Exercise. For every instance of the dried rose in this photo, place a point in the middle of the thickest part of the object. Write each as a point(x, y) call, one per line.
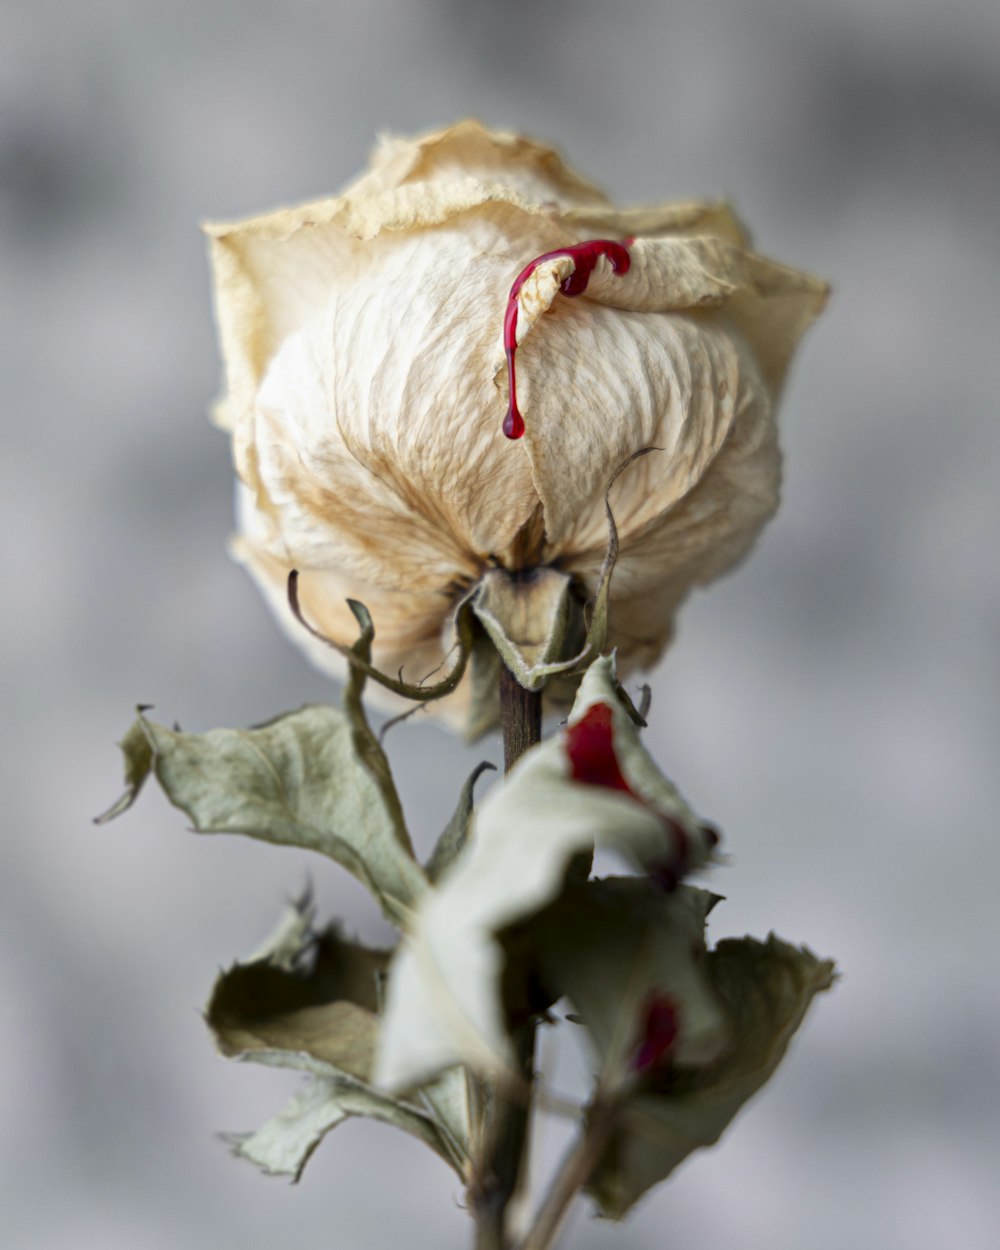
point(364, 338)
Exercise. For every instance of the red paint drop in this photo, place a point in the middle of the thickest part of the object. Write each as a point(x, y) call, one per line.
point(659, 1032)
point(585, 256)
point(591, 750)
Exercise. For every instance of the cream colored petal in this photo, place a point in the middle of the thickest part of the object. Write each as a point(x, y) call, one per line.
point(772, 310)
point(771, 304)
point(378, 427)
point(335, 511)
point(703, 535)
point(596, 385)
point(469, 149)
point(271, 275)
point(672, 275)
point(684, 218)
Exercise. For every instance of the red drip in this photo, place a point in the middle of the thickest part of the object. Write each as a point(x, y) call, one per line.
point(659, 1032)
point(585, 257)
point(591, 751)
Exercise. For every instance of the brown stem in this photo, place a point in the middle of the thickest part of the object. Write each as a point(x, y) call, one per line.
point(520, 718)
point(503, 1156)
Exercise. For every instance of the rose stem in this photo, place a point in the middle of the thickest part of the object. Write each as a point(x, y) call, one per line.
point(520, 718)
point(574, 1173)
point(507, 1132)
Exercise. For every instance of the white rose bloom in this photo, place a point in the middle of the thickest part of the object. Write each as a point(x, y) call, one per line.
point(366, 393)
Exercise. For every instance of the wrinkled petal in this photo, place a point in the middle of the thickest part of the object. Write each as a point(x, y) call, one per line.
point(673, 386)
point(469, 150)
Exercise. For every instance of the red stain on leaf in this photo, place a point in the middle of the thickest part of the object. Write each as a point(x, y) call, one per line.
point(660, 1027)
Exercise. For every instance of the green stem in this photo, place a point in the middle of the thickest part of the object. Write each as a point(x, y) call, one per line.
point(502, 1160)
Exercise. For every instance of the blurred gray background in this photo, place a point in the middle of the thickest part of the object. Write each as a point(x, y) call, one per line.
point(833, 705)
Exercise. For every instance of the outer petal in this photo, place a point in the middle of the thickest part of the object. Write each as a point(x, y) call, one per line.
point(274, 271)
point(602, 384)
point(691, 541)
point(375, 433)
point(692, 217)
point(696, 376)
point(467, 150)
point(597, 387)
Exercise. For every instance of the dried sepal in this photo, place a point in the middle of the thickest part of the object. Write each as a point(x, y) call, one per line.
point(534, 621)
point(456, 831)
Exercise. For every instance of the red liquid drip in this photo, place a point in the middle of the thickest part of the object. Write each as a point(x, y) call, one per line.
point(585, 256)
point(591, 751)
point(659, 1032)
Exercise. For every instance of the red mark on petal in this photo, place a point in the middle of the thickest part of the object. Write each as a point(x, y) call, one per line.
point(585, 256)
point(590, 746)
point(591, 750)
point(660, 1026)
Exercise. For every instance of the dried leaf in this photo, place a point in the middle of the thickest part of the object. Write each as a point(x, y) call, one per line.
point(610, 946)
point(325, 1009)
point(284, 1144)
point(765, 989)
point(298, 780)
point(314, 1009)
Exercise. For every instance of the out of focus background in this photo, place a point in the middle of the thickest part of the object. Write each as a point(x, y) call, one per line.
point(833, 705)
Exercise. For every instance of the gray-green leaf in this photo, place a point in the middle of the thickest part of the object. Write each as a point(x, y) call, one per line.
point(612, 945)
point(314, 1009)
point(283, 1145)
point(323, 1006)
point(298, 780)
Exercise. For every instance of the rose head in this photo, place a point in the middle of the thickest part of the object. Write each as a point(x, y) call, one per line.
point(369, 342)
